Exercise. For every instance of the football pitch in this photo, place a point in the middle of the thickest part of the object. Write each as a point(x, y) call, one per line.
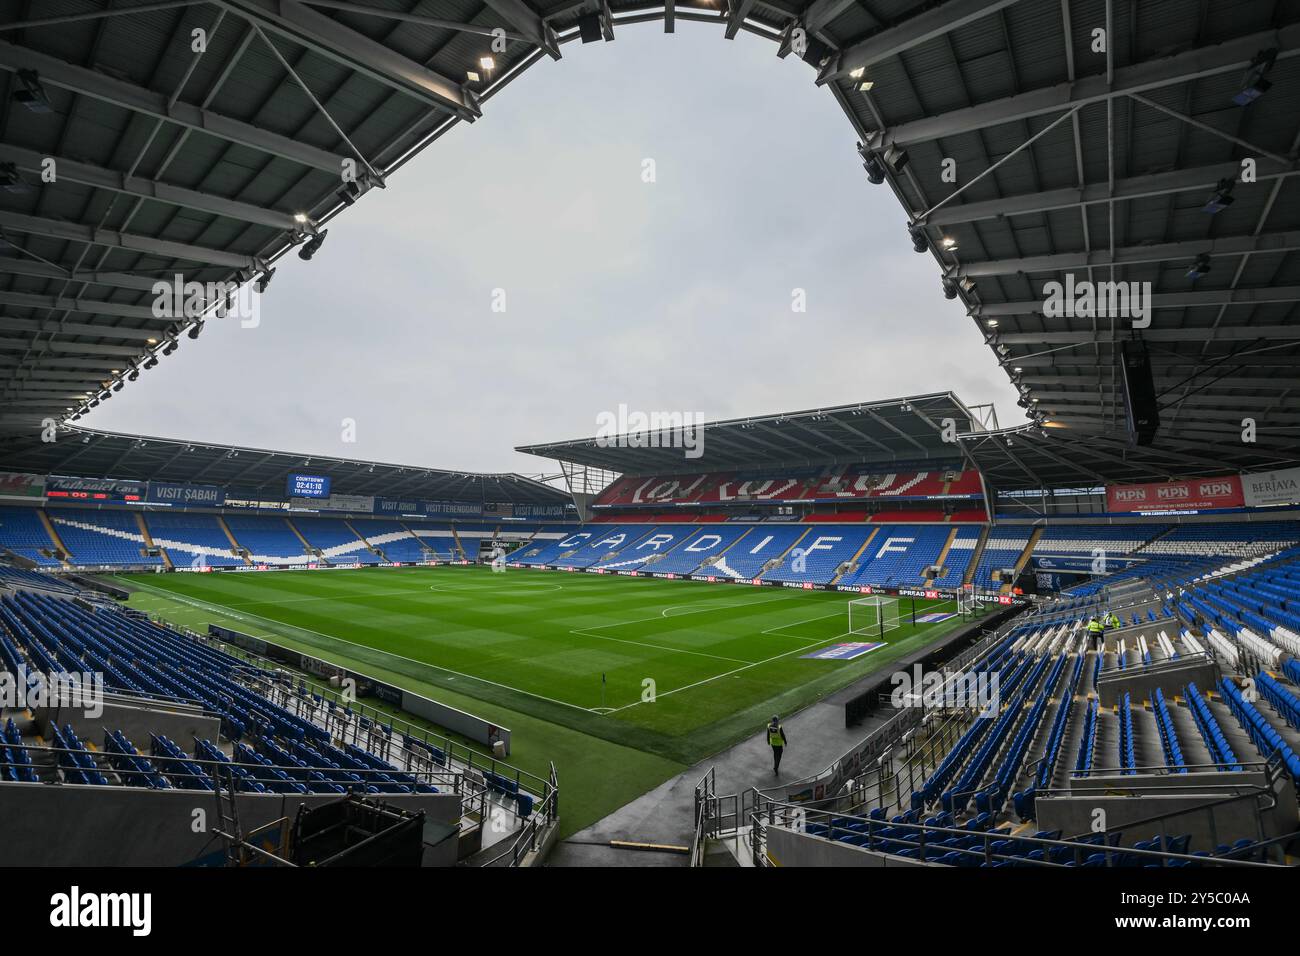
point(671, 668)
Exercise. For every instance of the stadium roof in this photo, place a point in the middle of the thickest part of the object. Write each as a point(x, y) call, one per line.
point(1068, 161)
point(81, 452)
point(906, 430)
point(903, 431)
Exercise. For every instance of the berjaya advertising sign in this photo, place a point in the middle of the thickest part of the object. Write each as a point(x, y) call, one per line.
point(1266, 488)
point(1194, 494)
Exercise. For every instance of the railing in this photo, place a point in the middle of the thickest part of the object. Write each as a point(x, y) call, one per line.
point(872, 749)
point(1155, 667)
point(178, 771)
point(273, 675)
point(704, 816)
point(1262, 797)
point(922, 841)
point(532, 838)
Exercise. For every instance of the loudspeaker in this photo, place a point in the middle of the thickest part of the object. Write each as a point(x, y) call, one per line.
point(589, 30)
point(1140, 409)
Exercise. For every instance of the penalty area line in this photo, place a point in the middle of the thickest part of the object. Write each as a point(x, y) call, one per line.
point(709, 680)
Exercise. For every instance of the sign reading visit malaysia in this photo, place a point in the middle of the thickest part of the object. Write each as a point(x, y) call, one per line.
point(1272, 488)
point(1194, 494)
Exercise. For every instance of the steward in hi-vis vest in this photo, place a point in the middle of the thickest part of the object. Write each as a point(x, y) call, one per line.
point(776, 740)
point(1097, 630)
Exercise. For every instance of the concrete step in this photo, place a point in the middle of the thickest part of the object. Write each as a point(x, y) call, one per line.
point(1189, 735)
point(1073, 735)
point(1237, 738)
point(1147, 750)
point(1106, 752)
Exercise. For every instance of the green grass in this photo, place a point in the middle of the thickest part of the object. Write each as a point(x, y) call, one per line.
point(689, 668)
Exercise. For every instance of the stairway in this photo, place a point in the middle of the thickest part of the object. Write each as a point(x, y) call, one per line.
point(148, 540)
point(235, 547)
point(976, 554)
point(1189, 735)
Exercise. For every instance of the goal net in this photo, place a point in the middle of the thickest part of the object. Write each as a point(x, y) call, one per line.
point(873, 615)
point(968, 602)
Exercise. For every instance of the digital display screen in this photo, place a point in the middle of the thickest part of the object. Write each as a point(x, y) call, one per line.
point(104, 491)
point(309, 486)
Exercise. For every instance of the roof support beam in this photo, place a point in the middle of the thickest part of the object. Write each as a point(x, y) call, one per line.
point(528, 22)
point(28, 300)
point(42, 270)
point(1165, 300)
point(1246, 333)
point(821, 12)
point(356, 51)
point(1150, 75)
point(71, 348)
point(1137, 187)
point(70, 170)
point(90, 330)
point(738, 10)
point(109, 89)
point(933, 22)
point(75, 232)
point(1133, 255)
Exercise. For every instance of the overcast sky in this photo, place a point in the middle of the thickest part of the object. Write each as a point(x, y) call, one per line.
point(673, 295)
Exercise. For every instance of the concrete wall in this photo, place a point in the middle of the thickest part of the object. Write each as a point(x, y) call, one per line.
point(181, 724)
point(1124, 803)
point(792, 848)
point(1170, 677)
point(66, 825)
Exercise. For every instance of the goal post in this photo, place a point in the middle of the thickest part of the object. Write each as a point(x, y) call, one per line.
point(969, 604)
point(873, 615)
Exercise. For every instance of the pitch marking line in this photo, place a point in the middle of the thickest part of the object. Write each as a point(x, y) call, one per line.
point(709, 680)
point(586, 632)
point(698, 610)
point(217, 609)
point(657, 647)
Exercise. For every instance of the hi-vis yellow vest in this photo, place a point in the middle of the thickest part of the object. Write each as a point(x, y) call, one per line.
point(1094, 627)
point(774, 736)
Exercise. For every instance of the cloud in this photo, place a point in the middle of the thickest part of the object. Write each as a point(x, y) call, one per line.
point(671, 295)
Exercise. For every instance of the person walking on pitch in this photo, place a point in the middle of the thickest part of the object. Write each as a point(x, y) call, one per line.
point(776, 740)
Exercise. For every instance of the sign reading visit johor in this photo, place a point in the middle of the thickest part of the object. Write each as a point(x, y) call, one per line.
point(1194, 494)
point(843, 652)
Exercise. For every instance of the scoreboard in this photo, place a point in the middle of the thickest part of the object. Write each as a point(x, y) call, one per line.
point(308, 486)
point(99, 491)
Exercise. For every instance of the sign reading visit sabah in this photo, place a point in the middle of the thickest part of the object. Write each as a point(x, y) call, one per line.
point(1194, 494)
point(308, 486)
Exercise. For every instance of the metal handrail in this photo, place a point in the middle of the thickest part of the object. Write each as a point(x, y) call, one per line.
point(257, 772)
point(532, 834)
point(929, 835)
point(469, 758)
